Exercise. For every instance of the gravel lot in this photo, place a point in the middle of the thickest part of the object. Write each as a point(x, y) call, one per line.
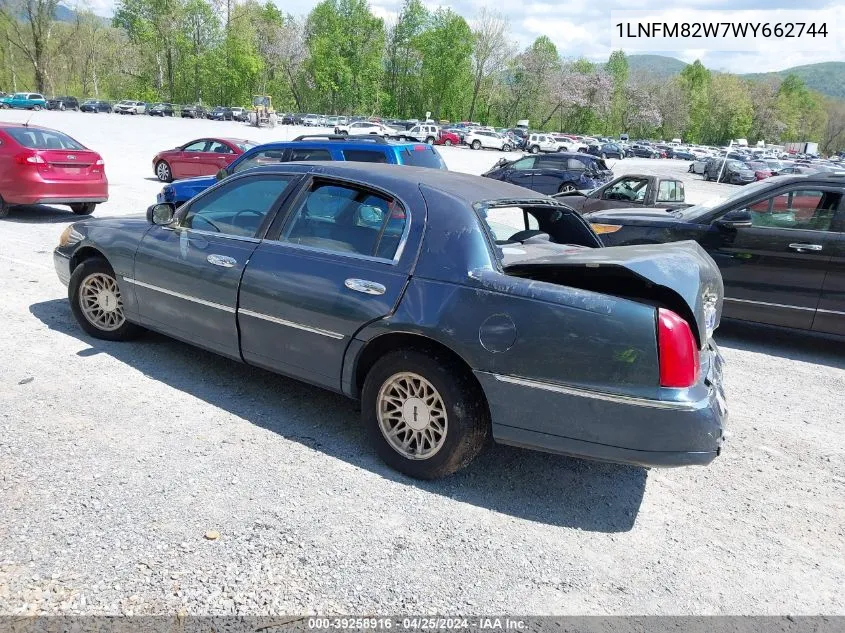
point(117, 459)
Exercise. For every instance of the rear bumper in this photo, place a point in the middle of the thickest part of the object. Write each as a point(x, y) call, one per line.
point(588, 424)
point(38, 191)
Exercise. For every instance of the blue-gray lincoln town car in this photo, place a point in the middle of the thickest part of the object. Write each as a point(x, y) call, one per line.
point(454, 307)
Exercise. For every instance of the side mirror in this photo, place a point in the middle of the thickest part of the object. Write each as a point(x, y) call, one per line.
point(220, 175)
point(161, 214)
point(732, 220)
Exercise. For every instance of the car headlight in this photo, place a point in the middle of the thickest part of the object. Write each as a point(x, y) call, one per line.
point(606, 228)
point(70, 236)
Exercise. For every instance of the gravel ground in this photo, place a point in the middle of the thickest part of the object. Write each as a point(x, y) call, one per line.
point(117, 460)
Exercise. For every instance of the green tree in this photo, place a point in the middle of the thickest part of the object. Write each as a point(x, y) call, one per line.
point(695, 84)
point(446, 47)
point(618, 69)
point(346, 45)
point(730, 112)
point(403, 61)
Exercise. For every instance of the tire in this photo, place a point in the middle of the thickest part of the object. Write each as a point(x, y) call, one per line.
point(476, 144)
point(603, 156)
point(4, 208)
point(90, 273)
point(429, 140)
point(85, 208)
point(62, 107)
point(163, 172)
point(567, 186)
point(447, 142)
point(465, 418)
point(506, 147)
point(689, 171)
point(535, 149)
point(36, 108)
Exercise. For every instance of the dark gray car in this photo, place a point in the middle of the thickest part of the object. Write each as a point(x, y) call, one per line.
point(454, 307)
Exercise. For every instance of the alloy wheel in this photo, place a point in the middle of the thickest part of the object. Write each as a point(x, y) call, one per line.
point(412, 416)
point(101, 303)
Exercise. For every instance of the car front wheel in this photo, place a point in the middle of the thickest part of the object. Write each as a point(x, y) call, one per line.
point(506, 147)
point(86, 208)
point(163, 172)
point(535, 149)
point(97, 304)
point(425, 414)
point(4, 208)
point(566, 187)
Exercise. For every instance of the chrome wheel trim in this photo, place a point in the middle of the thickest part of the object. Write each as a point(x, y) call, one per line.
point(567, 189)
point(101, 303)
point(163, 171)
point(412, 416)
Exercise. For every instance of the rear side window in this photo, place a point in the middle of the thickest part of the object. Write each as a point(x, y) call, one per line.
point(421, 156)
point(345, 219)
point(364, 156)
point(33, 138)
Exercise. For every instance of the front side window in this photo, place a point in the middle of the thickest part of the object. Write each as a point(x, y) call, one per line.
point(808, 210)
point(524, 164)
point(238, 208)
point(346, 219)
point(630, 189)
point(310, 154)
point(198, 146)
point(259, 159)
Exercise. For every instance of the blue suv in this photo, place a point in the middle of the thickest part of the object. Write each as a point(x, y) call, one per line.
point(310, 147)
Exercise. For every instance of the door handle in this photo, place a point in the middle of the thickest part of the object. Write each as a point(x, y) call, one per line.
point(801, 248)
point(367, 287)
point(221, 260)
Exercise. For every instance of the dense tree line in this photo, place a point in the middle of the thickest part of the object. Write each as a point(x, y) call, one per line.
point(341, 58)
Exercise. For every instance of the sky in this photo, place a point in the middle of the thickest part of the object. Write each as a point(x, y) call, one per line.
point(583, 28)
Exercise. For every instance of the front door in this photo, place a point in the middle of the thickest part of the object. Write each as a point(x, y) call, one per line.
point(187, 163)
point(774, 270)
point(335, 266)
point(187, 274)
point(522, 172)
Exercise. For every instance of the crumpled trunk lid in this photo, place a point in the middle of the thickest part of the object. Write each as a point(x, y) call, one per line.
point(678, 275)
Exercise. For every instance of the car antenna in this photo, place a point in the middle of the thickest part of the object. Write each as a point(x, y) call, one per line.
point(26, 123)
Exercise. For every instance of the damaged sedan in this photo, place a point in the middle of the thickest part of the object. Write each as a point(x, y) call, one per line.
point(455, 308)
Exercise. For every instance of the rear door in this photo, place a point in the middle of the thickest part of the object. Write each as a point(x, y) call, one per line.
point(338, 263)
point(186, 274)
point(774, 270)
point(830, 315)
point(551, 173)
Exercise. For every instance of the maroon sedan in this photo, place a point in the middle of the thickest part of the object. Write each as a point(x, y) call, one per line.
point(43, 166)
point(202, 157)
point(447, 138)
point(761, 169)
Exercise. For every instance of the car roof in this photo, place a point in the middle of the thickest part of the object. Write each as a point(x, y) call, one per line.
point(346, 142)
point(401, 179)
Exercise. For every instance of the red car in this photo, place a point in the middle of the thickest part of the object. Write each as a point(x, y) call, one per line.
point(761, 169)
point(202, 157)
point(447, 138)
point(43, 166)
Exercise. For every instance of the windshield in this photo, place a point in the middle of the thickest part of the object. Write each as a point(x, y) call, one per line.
point(34, 138)
point(735, 164)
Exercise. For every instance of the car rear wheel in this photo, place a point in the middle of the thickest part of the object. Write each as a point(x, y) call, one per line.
point(430, 140)
point(447, 142)
point(97, 304)
point(163, 172)
point(603, 155)
point(476, 144)
point(86, 208)
point(535, 149)
point(426, 415)
point(506, 147)
point(62, 107)
point(566, 187)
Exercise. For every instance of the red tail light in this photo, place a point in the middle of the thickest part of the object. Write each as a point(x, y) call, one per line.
point(29, 158)
point(677, 350)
